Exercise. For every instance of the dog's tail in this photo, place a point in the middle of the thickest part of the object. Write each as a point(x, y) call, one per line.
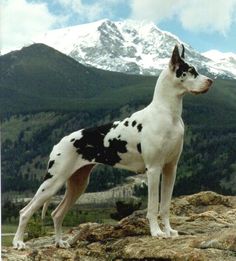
point(45, 207)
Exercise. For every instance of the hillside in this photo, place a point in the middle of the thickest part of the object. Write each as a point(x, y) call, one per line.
point(44, 95)
point(39, 78)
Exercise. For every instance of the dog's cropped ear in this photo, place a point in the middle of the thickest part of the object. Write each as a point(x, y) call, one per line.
point(175, 58)
point(183, 51)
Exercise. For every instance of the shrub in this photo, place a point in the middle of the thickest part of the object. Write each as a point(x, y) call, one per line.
point(35, 228)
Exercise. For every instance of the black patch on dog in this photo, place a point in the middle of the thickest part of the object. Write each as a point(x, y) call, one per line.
point(126, 123)
point(134, 123)
point(115, 125)
point(119, 136)
point(184, 67)
point(193, 71)
point(59, 154)
point(72, 140)
point(91, 146)
point(51, 163)
point(139, 148)
point(47, 176)
point(43, 190)
point(139, 127)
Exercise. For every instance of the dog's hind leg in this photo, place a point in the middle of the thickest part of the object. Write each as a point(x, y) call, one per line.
point(168, 179)
point(76, 185)
point(47, 189)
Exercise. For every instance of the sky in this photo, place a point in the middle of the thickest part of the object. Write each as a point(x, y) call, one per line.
point(204, 24)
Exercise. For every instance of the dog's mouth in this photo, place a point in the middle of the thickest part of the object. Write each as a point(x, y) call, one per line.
point(200, 92)
point(204, 91)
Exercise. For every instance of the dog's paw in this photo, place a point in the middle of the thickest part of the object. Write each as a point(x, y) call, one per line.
point(174, 233)
point(19, 245)
point(62, 244)
point(158, 233)
point(171, 232)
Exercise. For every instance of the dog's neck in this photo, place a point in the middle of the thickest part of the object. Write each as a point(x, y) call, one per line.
point(167, 96)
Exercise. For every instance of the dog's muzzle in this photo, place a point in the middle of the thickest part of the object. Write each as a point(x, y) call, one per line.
point(208, 85)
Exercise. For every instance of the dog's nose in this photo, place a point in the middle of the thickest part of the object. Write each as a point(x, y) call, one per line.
point(209, 81)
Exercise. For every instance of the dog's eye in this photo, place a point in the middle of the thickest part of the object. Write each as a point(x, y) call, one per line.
point(184, 74)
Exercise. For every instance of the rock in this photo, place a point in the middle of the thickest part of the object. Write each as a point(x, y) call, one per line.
point(207, 198)
point(206, 222)
point(201, 202)
point(223, 240)
point(126, 207)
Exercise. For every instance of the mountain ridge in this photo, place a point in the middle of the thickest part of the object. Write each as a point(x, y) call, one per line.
point(41, 78)
point(137, 47)
point(222, 60)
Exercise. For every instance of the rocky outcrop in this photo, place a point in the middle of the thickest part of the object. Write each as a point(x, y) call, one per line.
point(206, 223)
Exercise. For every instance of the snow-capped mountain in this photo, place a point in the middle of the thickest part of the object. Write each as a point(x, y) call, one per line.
point(126, 46)
point(224, 61)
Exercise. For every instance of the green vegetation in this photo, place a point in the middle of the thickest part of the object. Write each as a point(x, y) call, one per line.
point(37, 228)
point(8, 228)
point(125, 207)
point(39, 78)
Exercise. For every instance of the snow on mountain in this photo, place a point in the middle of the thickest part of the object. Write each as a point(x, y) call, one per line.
point(223, 61)
point(129, 46)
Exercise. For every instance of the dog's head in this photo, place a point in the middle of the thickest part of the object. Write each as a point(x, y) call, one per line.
point(185, 76)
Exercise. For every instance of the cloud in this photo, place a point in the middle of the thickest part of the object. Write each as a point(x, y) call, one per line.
point(209, 15)
point(21, 21)
point(91, 11)
point(195, 15)
point(153, 9)
point(84, 12)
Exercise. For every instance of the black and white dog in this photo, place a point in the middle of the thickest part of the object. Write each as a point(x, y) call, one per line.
point(150, 141)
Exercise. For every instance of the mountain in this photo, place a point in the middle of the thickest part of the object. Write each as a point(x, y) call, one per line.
point(41, 78)
point(225, 61)
point(129, 46)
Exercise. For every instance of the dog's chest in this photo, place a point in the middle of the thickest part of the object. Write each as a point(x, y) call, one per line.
point(173, 140)
point(163, 140)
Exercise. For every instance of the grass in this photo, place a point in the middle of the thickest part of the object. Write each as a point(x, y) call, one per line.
point(8, 228)
point(99, 215)
point(7, 241)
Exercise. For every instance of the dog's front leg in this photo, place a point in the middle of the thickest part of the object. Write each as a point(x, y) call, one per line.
point(168, 180)
point(153, 175)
